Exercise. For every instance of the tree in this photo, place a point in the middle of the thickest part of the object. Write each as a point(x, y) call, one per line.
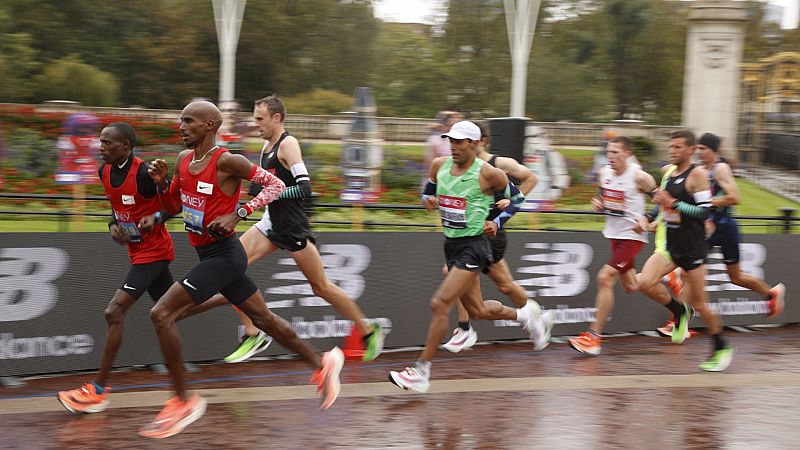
point(411, 78)
point(18, 63)
point(71, 79)
point(476, 45)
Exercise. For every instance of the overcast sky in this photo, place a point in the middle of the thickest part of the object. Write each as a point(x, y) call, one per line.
point(422, 11)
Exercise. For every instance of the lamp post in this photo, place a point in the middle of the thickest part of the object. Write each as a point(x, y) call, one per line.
point(228, 20)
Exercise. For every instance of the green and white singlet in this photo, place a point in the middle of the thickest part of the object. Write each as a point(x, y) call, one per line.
point(463, 207)
point(661, 229)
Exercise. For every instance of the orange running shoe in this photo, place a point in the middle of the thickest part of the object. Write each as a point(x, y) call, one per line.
point(85, 399)
point(327, 378)
point(674, 284)
point(776, 302)
point(587, 343)
point(174, 417)
point(666, 330)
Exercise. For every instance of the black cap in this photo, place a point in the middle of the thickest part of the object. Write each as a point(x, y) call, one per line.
point(710, 140)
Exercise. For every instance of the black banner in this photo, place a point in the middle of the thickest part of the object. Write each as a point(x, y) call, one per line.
point(54, 288)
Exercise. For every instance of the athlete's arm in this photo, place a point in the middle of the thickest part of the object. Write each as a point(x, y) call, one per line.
point(114, 229)
point(527, 179)
point(429, 199)
point(144, 184)
point(292, 158)
point(517, 200)
point(169, 193)
point(646, 183)
point(241, 168)
point(724, 176)
point(597, 200)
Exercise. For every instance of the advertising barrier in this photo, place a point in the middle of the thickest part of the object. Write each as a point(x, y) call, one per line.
point(54, 288)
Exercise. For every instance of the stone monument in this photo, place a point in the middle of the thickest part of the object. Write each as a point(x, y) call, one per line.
point(711, 79)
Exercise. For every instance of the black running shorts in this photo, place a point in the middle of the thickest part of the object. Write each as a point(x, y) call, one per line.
point(471, 253)
point(292, 241)
point(153, 277)
point(498, 242)
point(221, 269)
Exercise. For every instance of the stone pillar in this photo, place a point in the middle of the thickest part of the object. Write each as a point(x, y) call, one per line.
point(711, 80)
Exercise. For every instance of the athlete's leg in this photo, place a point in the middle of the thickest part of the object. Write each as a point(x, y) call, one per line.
point(481, 309)
point(604, 301)
point(257, 246)
point(163, 315)
point(698, 297)
point(628, 279)
point(114, 314)
point(455, 285)
point(500, 273)
point(310, 263)
point(649, 279)
point(746, 280)
point(255, 308)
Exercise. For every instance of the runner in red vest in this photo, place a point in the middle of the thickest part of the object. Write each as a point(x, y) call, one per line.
point(206, 184)
point(137, 220)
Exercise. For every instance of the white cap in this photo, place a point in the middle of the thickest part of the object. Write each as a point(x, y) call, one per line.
point(464, 130)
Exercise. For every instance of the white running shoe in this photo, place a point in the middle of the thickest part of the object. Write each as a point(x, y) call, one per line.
point(548, 321)
point(462, 339)
point(413, 378)
point(534, 326)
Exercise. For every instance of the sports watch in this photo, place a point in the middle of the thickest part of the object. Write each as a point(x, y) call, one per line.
point(242, 213)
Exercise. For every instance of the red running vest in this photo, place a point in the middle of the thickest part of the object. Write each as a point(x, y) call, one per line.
point(129, 207)
point(202, 199)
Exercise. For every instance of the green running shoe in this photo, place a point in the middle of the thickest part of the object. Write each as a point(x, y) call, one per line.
point(250, 346)
point(681, 330)
point(720, 360)
point(373, 346)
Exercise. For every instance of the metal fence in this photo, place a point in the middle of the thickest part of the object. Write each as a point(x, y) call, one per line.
point(783, 222)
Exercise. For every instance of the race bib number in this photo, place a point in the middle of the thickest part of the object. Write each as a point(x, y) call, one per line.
point(193, 220)
point(132, 231)
point(614, 201)
point(194, 209)
point(453, 211)
point(128, 225)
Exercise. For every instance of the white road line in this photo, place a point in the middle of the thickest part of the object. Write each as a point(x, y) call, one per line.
point(383, 389)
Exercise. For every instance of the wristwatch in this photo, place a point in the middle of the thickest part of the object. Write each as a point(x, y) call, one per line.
point(242, 213)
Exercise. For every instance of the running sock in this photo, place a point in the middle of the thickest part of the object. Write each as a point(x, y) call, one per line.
point(676, 307)
point(464, 325)
point(97, 388)
point(719, 341)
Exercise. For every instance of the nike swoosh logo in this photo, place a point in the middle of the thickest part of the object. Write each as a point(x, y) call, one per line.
point(470, 266)
point(679, 181)
point(299, 243)
point(186, 283)
point(125, 286)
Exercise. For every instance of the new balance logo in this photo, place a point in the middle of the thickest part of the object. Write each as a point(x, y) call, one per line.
point(28, 275)
point(558, 269)
point(344, 265)
point(187, 284)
